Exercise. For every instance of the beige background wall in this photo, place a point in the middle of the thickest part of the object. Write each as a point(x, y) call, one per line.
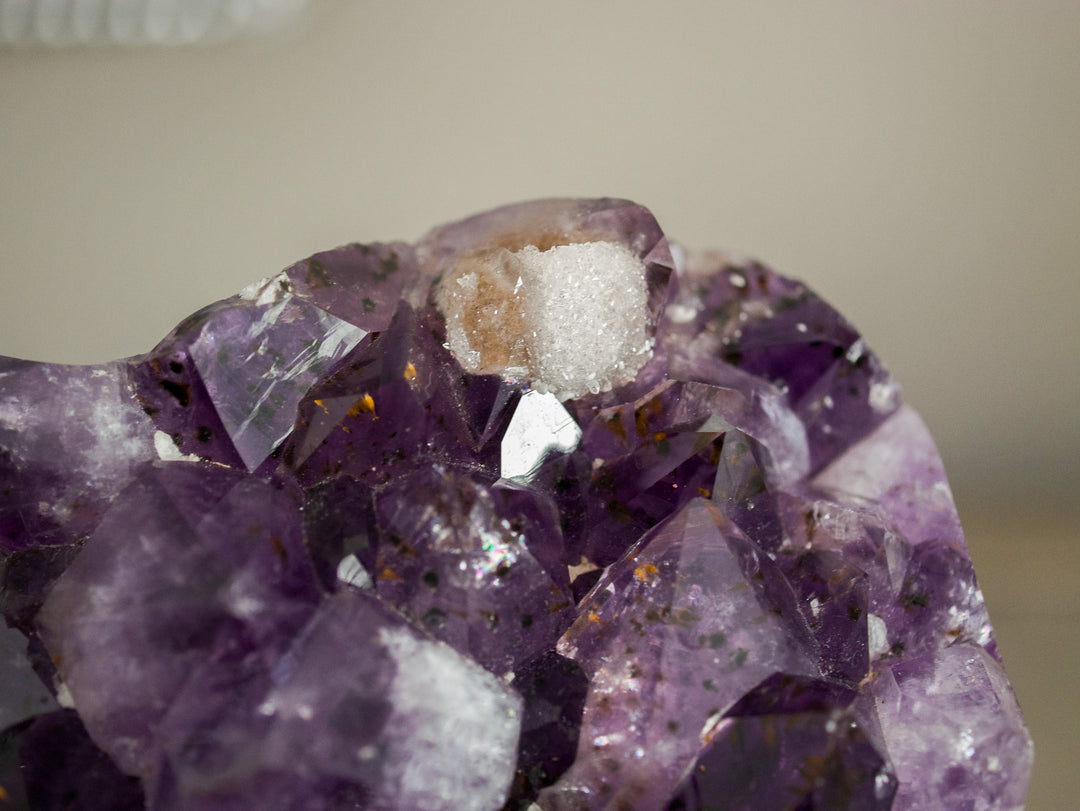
point(917, 162)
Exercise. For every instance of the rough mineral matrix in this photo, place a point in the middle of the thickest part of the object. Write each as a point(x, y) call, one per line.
point(542, 512)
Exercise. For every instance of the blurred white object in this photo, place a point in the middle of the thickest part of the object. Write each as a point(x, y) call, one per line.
point(139, 22)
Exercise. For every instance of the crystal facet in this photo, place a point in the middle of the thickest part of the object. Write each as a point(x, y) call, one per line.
point(541, 512)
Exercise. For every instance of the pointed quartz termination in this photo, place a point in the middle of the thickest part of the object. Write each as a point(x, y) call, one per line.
point(257, 362)
point(227, 652)
point(479, 568)
point(70, 438)
point(953, 730)
point(672, 635)
point(932, 599)
point(362, 711)
point(644, 460)
point(217, 578)
point(541, 512)
point(790, 743)
point(399, 405)
point(776, 341)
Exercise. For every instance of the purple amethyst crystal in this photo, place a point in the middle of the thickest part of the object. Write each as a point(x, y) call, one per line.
point(542, 512)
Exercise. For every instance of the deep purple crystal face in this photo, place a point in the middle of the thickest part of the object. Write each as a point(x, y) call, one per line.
point(298, 557)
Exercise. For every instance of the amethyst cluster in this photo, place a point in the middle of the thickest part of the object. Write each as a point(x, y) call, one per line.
point(390, 531)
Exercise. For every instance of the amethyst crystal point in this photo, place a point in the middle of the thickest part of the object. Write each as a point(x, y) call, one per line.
point(674, 633)
point(542, 512)
point(361, 711)
point(69, 439)
point(954, 730)
point(791, 743)
point(273, 351)
point(456, 558)
point(193, 568)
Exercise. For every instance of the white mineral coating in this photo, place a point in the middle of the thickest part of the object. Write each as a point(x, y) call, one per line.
point(168, 452)
point(364, 698)
point(571, 320)
point(455, 726)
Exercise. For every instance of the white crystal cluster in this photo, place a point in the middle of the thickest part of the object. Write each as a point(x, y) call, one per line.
point(570, 320)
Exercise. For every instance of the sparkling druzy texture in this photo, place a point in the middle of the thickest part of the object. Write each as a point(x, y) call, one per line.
point(413, 527)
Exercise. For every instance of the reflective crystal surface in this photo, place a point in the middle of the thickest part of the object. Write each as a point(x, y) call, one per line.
point(299, 556)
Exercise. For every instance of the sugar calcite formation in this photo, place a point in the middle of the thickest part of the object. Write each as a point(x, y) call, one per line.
point(541, 512)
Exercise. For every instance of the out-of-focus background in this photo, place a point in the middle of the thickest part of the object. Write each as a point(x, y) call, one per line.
point(918, 163)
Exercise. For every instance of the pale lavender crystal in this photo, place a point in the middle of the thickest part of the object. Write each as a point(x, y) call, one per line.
point(195, 568)
point(953, 729)
point(296, 557)
point(258, 358)
point(69, 438)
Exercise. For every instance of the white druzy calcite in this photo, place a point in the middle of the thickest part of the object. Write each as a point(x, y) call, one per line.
point(571, 319)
